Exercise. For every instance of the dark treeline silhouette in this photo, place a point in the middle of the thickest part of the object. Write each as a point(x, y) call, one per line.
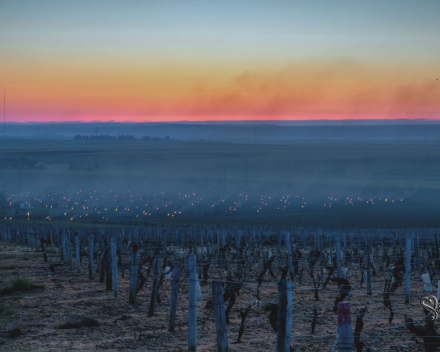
point(127, 137)
point(148, 138)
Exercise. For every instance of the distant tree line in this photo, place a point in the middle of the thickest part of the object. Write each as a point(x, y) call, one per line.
point(127, 137)
point(148, 138)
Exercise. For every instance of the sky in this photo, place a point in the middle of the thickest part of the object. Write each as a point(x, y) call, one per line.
point(173, 60)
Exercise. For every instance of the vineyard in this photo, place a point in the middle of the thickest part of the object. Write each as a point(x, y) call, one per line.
point(210, 288)
point(225, 176)
point(211, 246)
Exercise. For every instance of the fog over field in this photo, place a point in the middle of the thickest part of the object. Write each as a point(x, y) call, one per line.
point(328, 169)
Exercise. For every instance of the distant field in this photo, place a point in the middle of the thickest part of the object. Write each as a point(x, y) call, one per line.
point(389, 165)
point(216, 171)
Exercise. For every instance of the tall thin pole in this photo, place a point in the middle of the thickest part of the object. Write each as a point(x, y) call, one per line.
point(154, 286)
point(407, 267)
point(368, 257)
point(338, 255)
point(174, 294)
point(220, 319)
point(345, 337)
point(114, 266)
point(284, 317)
point(192, 304)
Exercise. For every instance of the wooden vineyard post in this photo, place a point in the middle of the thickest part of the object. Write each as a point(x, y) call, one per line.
point(114, 267)
point(57, 241)
point(416, 242)
point(284, 318)
point(220, 318)
point(330, 245)
point(249, 246)
point(78, 264)
point(359, 243)
point(344, 236)
point(218, 246)
point(279, 253)
point(192, 308)
point(438, 245)
point(345, 337)
point(321, 264)
point(63, 245)
point(108, 267)
point(182, 238)
point(154, 286)
point(133, 274)
point(34, 237)
point(165, 239)
point(174, 294)
point(438, 290)
point(69, 252)
point(199, 290)
point(102, 262)
point(91, 263)
point(289, 254)
point(338, 255)
point(407, 267)
point(224, 237)
point(368, 260)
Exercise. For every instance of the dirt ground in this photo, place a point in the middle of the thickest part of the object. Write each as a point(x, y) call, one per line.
point(68, 296)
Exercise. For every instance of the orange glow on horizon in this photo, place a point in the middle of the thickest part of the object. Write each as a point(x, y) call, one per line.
point(301, 91)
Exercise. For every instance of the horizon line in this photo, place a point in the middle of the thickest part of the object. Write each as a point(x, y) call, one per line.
point(228, 121)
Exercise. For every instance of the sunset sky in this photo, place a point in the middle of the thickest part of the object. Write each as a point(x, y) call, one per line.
point(219, 60)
